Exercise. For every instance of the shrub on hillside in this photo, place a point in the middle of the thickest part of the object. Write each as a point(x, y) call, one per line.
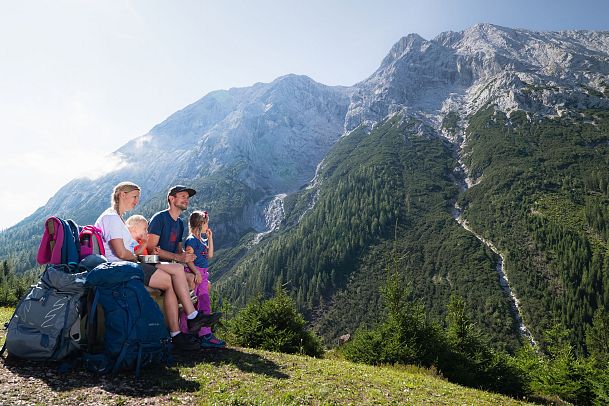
point(12, 286)
point(556, 371)
point(597, 338)
point(459, 352)
point(275, 325)
point(405, 337)
point(472, 361)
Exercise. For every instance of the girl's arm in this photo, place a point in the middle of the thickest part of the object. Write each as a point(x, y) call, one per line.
point(192, 267)
point(210, 243)
point(191, 264)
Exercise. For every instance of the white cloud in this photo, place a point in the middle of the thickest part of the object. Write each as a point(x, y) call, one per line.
point(142, 141)
point(50, 139)
point(101, 165)
point(34, 176)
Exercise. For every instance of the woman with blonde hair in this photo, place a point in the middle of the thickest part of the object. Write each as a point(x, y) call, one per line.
point(119, 246)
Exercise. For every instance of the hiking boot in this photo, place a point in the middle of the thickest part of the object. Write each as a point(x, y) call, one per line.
point(185, 342)
point(203, 320)
point(211, 341)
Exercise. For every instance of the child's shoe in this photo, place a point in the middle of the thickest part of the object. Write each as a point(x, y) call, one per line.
point(211, 341)
point(202, 320)
point(185, 342)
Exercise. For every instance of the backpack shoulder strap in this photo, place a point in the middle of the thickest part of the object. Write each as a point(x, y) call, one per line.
point(11, 319)
point(69, 248)
point(66, 240)
point(97, 234)
point(73, 249)
point(92, 302)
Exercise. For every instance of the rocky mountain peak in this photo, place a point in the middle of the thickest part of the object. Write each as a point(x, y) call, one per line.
point(275, 133)
point(407, 44)
point(540, 72)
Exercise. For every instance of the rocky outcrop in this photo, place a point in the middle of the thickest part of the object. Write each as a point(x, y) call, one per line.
point(539, 72)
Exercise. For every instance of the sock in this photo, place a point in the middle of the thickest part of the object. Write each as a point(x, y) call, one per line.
point(192, 315)
point(174, 333)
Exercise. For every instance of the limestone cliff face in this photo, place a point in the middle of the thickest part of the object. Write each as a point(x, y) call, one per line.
point(277, 131)
point(274, 133)
point(540, 72)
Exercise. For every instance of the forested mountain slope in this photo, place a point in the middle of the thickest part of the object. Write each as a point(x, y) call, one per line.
point(542, 197)
point(390, 185)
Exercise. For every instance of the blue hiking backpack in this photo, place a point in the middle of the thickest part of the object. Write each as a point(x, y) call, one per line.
point(135, 332)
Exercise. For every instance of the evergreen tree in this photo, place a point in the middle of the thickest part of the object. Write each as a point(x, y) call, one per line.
point(597, 338)
point(275, 325)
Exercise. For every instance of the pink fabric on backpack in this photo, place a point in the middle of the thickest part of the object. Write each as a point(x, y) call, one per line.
point(91, 241)
point(203, 302)
point(49, 251)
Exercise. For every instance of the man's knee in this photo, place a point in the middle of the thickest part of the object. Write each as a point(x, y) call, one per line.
point(160, 280)
point(172, 269)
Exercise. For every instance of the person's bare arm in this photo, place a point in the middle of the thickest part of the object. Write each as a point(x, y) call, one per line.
point(210, 243)
point(151, 244)
point(192, 267)
point(191, 264)
point(180, 256)
point(118, 249)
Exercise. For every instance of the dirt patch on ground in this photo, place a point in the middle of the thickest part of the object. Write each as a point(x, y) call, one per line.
point(29, 383)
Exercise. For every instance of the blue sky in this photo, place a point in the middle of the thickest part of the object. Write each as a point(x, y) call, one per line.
point(79, 78)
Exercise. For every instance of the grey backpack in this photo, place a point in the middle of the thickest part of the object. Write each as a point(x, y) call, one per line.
point(46, 323)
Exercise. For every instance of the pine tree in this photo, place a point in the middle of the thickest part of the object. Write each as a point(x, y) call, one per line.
point(597, 338)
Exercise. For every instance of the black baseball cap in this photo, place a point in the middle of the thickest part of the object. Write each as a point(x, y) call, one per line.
point(180, 188)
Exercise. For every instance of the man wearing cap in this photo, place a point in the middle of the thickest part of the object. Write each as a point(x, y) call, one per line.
point(166, 228)
point(165, 233)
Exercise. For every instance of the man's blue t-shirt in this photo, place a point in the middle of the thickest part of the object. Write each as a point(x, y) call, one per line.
point(200, 248)
point(170, 231)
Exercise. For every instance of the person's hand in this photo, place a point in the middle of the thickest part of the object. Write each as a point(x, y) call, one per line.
point(209, 233)
point(198, 278)
point(186, 257)
point(156, 250)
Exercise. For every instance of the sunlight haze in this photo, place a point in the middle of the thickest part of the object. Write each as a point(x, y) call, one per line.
point(78, 79)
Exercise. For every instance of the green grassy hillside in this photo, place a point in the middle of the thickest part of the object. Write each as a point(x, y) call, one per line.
point(239, 377)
